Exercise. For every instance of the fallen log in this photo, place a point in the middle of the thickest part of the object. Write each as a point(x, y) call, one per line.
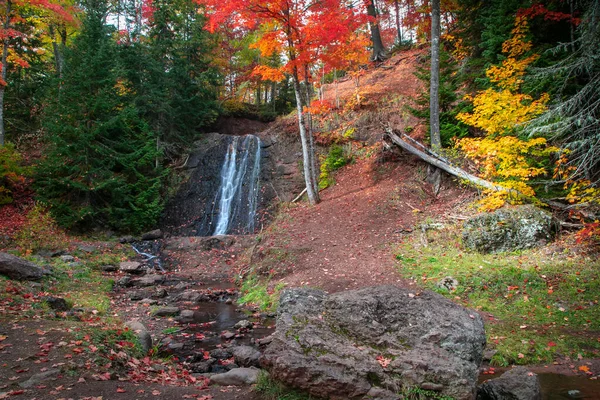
point(436, 160)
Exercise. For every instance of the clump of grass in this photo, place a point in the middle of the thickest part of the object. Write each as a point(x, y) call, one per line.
point(273, 390)
point(416, 393)
point(335, 159)
point(537, 306)
point(255, 291)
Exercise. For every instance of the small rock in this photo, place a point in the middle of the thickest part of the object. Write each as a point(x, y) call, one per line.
point(181, 286)
point(137, 295)
point(236, 377)
point(124, 281)
point(264, 341)
point(126, 239)
point(227, 335)
point(220, 354)
point(448, 283)
point(159, 294)
point(203, 366)
point(75, 264)
point(244, 324)
point(176, 346)
point(229, 301)
point(186, 316)
point(39, 378)
point(515, 384)
point(109, 268)
point(149, 280)
point(246, 356)
point(165, 311)
point(152, 235)
point(67, 258)
point(57, 303)
point(142, 334)
point(574, 394)
point(86, 248)
point(488, 354)
point(190, 295)
point(130, 266)
point(150, 302)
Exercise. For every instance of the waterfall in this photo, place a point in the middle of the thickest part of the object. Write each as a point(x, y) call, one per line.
point(237, 197)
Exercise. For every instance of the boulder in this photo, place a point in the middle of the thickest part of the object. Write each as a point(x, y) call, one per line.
point(509, 229)
point(515, 384)
point(236, 377)
point(142, 334)
point(19, 269)
point(343, 345)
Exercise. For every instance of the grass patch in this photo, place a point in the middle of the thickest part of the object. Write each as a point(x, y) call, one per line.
point(416, 393)
point(539, 306)
point(255, 291)
point(273, 390)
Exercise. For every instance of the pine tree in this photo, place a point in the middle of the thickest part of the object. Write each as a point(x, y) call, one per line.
point(169, 76)
point(99, 168)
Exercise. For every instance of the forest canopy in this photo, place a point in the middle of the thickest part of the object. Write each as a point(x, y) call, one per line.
point(114, 91)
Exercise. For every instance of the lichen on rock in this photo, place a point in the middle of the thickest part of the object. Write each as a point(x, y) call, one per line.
point(509, 229)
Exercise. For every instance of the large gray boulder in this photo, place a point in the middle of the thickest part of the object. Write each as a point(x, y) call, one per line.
point(508, 229)
point(516, 384)
point(349, 344)
point(19, 269)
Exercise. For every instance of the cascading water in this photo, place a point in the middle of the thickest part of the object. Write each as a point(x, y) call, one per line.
point(237, 198)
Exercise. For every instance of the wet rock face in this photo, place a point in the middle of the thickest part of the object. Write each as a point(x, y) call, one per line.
point(348, 344)
point(195, 209)
point(190, 211)
point(509, 229)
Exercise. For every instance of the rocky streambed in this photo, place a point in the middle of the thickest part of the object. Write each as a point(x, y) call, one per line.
point(183, 303)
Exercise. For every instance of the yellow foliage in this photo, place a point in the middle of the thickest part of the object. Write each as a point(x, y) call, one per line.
point(503, 157)
point(498, 111)
point(579, 190)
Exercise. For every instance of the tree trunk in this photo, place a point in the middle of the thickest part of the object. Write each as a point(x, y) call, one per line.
point(309, 133)
point(313, 196)
point(434, 174)
point(378, 48)
point(3, 73)
point(398, 26)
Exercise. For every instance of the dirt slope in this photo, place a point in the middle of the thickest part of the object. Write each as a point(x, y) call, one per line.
point(345, 241)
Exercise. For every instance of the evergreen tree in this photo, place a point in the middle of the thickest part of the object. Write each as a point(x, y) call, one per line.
point(169, 76)
point(99, 168)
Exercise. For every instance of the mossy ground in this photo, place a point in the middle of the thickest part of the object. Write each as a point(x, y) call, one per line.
point(539, 305)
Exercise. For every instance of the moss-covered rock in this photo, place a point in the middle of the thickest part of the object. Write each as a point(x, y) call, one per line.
point(508, 229)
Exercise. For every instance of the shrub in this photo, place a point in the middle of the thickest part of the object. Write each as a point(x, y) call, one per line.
point(40, 231)
point(336, 158)
point(12, 173)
